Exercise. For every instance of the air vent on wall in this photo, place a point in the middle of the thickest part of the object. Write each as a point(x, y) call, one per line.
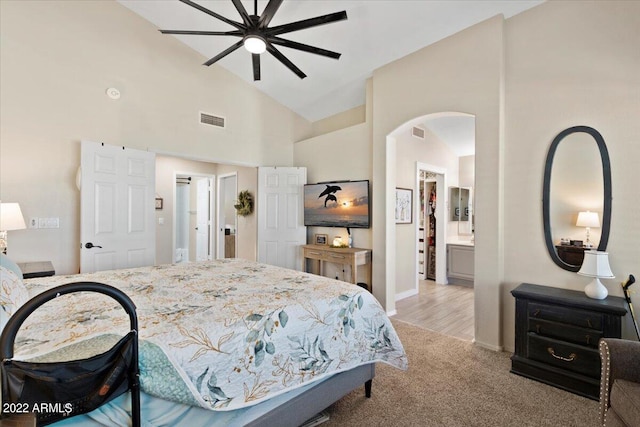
point(210, 119)
point(417, 132)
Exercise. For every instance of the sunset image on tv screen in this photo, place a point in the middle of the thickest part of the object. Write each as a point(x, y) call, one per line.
point(337, 204)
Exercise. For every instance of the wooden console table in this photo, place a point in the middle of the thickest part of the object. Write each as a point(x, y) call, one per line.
point(353, 257)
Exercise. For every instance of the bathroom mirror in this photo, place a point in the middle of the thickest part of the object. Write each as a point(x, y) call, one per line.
point(465, 224)
point(461, 209)
point(454, 200)
point(577, 178)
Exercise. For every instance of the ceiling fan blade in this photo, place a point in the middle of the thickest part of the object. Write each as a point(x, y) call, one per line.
point(242, 11)
point(306, 23)
point(280, 57)
point(304, 47)
point(203, 33)
point(255, 57)
point(268, 12)
point(215, 15)
point(223, 53)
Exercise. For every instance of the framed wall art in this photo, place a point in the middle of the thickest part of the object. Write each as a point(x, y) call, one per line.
point(404, 206)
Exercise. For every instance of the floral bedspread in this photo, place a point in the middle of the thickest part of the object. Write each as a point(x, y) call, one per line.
point(227, 333)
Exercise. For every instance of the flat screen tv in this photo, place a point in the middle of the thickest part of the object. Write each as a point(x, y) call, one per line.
point(337, 204)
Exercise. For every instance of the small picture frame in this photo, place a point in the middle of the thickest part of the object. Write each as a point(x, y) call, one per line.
point(404, 206)
point(321, 239)
point(158, 203)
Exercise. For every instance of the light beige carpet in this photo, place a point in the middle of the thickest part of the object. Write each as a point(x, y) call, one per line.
point(451, 382)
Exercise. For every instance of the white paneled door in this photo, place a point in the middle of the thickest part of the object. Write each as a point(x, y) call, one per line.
point(280, 210)
point(117, 207)
point(204, 199)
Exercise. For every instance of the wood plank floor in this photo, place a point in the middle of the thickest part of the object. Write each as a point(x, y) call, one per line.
point(447, 309)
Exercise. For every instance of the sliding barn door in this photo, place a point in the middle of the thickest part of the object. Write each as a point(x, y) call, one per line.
point(280, 210)
point(117, 207)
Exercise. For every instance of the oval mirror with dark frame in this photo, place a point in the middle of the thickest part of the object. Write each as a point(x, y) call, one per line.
point(546, 194)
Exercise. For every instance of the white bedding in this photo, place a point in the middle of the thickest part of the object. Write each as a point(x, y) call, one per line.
point(222, 334)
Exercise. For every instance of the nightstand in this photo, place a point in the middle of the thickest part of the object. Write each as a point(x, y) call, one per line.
point(573, 255)
point(557, 334)
point(31, 270)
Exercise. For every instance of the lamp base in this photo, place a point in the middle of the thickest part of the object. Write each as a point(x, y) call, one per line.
point(596, 290)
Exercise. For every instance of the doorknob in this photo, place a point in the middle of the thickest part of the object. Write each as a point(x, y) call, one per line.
point(90, 245)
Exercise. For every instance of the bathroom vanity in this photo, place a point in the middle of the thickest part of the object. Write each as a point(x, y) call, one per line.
point(460, 263)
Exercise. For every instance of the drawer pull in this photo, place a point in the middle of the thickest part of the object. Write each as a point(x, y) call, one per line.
point(538, 329)
point(589, 323)
point(336, 256)
point(314, 253)
point(571, 357)
point(535, 313)
point(588, 337)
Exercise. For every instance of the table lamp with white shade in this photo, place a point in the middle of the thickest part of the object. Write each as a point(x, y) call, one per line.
point(596, 265)
point(588, 219)
point(10, 219)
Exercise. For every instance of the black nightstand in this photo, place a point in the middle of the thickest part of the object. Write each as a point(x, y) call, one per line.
point(31, 270)
point(573, 255)
point(557, 334)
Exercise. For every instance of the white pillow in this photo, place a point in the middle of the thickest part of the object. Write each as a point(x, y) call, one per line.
point(13, 294)
point(6, 262)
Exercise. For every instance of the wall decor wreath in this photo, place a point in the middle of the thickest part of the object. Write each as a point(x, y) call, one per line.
point(245, 203)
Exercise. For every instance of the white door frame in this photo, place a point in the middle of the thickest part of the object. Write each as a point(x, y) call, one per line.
point(220, 204)
point(211, 212)
point(441, 221)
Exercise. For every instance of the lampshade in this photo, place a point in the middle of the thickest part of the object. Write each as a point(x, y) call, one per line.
point(588, 219)
point(11, 217)
point(337, 241)
point(596, 264)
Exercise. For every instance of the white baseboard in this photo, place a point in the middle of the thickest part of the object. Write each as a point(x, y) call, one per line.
point(391, 313)
point(488, 346)
point(406, 294)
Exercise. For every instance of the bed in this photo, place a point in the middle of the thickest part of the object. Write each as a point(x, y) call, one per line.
point(225, 342)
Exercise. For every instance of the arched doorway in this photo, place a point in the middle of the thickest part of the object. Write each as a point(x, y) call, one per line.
point(439, 146)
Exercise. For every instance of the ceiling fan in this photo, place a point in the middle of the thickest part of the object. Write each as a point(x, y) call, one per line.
point(257, 37)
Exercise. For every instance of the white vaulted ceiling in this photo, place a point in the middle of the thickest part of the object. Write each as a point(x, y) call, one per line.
point(376, 32)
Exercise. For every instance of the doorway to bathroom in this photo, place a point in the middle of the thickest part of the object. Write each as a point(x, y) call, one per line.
point(194, 213)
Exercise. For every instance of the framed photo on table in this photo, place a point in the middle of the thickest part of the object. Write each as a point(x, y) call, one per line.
point(404, 206)
point(321, 239)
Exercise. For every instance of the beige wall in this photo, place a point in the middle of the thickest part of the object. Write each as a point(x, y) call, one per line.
point(57, 58)
point(467, 168)
point(461, 73)
point(339, 121)
point(569, 63)
point(341, 155)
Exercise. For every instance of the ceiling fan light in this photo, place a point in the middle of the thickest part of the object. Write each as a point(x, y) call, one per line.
point(255, 44)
